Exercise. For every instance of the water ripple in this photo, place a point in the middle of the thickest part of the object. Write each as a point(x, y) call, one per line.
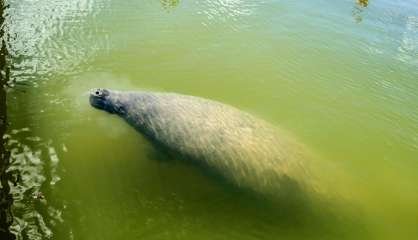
point(35, 164)
point(226, 11)
point(51, 36)
point(408, 49)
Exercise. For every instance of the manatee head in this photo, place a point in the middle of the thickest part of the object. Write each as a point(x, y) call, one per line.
point(107, 100)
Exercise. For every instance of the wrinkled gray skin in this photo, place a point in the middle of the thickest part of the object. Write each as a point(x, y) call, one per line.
point(248, 151)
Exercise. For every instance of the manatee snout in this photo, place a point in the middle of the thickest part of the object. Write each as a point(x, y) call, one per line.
point(100, 99)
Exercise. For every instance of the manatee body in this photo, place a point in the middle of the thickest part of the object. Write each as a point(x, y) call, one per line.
point(244, 149)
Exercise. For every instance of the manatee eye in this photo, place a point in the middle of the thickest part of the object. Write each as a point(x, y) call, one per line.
point(97, 92)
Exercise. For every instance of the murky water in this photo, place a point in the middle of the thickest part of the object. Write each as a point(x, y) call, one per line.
point(339, 75)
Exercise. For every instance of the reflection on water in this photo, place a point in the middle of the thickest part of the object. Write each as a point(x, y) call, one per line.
point(363, 3)
point(168, 4)
point(48, 36)
point(6, 200)
point(36, 163)
point(358, 9)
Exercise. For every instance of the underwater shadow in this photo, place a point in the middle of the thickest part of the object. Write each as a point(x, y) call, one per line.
point(292, 211)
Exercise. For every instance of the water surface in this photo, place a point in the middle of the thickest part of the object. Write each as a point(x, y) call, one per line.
point(341, 76)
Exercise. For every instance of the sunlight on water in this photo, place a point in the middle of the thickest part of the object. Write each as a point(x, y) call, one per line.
point(408, 51)
point(35, 163)
point(47, 36)
point(341, 77)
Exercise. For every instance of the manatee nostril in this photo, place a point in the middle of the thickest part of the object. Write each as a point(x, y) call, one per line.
point(97, 92)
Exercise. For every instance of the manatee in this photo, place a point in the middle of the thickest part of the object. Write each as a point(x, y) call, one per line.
point(248, 151)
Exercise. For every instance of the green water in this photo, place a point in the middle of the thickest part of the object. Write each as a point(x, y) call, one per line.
point(339, 75)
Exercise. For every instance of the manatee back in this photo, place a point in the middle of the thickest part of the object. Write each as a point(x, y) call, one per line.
point(247, 150)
